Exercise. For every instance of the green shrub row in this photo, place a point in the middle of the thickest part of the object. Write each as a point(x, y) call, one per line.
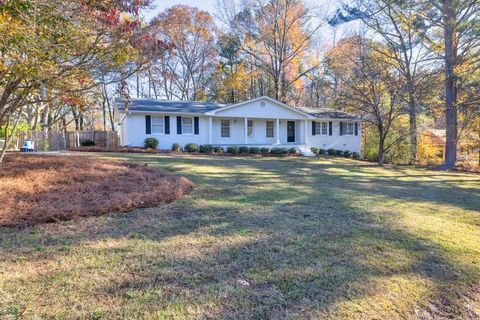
point(207, 148)
point(152, 143)
point(333, 152)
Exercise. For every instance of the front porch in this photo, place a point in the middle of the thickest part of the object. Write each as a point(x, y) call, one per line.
point(257, 132)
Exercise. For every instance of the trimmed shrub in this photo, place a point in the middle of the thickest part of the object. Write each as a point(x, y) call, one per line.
point(191, 147)
point(347, 153)
point(87, 143)
point(150, 143)
point(314, 150)
point(264, 150)
point(255, 150)
point(176, 147)
point(339, 153)
point(322, 151)
point(206, 148)
point(331, 151)
point(243, 150)
point(293, 151)
point(279, 151)
point(233, 150)
point(218, 150)
point(355, 155)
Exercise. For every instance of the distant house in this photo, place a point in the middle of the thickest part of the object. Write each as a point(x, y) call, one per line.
point(431, 146)
point(262, 122)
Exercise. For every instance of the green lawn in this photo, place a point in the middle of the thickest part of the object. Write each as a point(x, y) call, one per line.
point(261, 239)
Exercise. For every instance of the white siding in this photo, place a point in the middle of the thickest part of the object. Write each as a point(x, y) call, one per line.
point(138, 132)
point(133, 133)
point(262, 108)
point(335, 141)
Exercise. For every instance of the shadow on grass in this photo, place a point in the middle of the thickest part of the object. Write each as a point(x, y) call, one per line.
point(268, 238)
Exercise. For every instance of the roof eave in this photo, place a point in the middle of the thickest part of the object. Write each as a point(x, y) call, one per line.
point(213, 112)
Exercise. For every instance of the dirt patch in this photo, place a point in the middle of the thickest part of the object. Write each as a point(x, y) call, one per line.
point(36, 189)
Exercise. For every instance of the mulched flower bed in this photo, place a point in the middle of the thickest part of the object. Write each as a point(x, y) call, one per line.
point(45, 188)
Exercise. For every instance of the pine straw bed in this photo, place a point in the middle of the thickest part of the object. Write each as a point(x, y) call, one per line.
point(36, 189)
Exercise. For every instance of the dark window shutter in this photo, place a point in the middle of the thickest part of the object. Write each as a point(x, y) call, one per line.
point(196, 128)
point(341, 128)
point(179, 125)
point(313, 128)
point(330, 128)
point(167, 125)
point(148, 124)
point(356, 128)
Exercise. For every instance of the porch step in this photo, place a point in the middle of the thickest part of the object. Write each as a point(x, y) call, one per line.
point(305, 151)
point(307, 154)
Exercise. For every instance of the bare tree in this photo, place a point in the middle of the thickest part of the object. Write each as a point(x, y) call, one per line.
point(185, 71)
point(276, 34)
point(400, 26)
point(375, 89)
point(459, 22)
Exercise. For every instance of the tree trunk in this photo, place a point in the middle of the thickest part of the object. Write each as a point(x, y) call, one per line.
point(104, 115)
point(450, 87)
point(138, 85)
point(75, 117)
point(8, 138)
point(381, 152)
point(412, 113)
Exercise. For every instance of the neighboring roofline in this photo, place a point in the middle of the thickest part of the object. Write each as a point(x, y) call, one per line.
point(213, 112)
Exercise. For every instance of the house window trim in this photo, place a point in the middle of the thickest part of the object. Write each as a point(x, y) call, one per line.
point(152, 126)
point(326, 128)
point(346, 126)
point(273, 129)
point(250, 130)
point(183, 128)
point(319, 128)
point(229, 129)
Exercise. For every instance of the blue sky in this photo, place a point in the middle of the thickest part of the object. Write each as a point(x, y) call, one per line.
point(209, 5)
point(160, 5)
point(323, 7)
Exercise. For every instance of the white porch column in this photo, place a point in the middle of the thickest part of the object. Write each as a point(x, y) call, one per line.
point(306, 131)
point(210, 134)
point(245, 127)
point(277, 127)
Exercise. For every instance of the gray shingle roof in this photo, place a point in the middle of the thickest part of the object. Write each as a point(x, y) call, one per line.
point(168, 106)
point(200, 107)
point(331, 114)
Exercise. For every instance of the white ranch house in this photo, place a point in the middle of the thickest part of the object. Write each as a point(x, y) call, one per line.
point(261, 122)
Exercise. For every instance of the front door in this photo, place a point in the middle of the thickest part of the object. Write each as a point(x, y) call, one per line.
point(290, 131)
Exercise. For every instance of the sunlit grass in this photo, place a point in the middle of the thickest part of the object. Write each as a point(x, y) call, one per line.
point(261, 238)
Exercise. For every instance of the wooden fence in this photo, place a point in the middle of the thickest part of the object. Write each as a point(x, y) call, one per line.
point(60, 140)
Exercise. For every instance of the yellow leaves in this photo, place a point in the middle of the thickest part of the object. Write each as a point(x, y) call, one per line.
point(236, 80)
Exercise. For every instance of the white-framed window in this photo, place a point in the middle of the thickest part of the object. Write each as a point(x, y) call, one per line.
point(270, 129)
point(250, 128)
point(348, 128)
point(187, 125)
point(324, 128)
point(225, 128)
point(158, 125)
point(321, 128)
